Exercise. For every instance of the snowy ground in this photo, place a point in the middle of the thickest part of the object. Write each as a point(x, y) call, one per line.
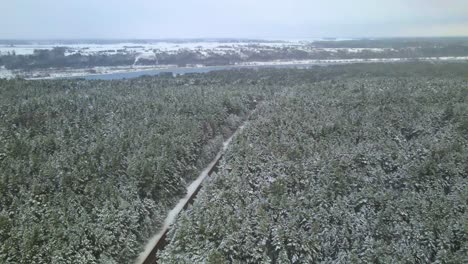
point(6, 74)
point(218, 47)
point(92, 49)
point(72, 72)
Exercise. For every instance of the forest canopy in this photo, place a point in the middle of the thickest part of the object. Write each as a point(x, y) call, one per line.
point(356, 163)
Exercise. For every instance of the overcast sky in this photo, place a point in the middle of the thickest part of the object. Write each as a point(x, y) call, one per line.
point(231, 18)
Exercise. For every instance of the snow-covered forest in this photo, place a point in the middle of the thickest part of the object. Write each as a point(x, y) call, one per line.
point(88, 170)
point(340, 164)
point(360, 170)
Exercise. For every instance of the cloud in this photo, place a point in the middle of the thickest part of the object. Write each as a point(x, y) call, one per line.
point(230, 18)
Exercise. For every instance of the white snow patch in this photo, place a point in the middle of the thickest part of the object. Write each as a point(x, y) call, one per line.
point(146, 56)
point(128, 47)
point(5, 73)
point(53, 73)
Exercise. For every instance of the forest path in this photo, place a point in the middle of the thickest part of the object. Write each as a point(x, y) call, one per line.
point(158, 241)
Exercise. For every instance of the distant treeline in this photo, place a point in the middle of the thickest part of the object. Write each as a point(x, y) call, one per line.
point(56, 58)
point(388, 48)
point(396, 43)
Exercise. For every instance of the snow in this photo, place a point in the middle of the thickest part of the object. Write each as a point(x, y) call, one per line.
point(53, 73)
point(204, 49)
point(129, 47)
point(90, 49)
point(355, 50)
point(146, 56)
point(5, 73)
point(171, 217)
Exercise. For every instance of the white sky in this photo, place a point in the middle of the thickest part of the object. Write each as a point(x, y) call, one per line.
point(231, 18)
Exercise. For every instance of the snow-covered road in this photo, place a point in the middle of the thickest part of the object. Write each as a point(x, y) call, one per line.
point(192, 190)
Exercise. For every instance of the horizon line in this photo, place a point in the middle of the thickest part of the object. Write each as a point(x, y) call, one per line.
point(236, 38)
